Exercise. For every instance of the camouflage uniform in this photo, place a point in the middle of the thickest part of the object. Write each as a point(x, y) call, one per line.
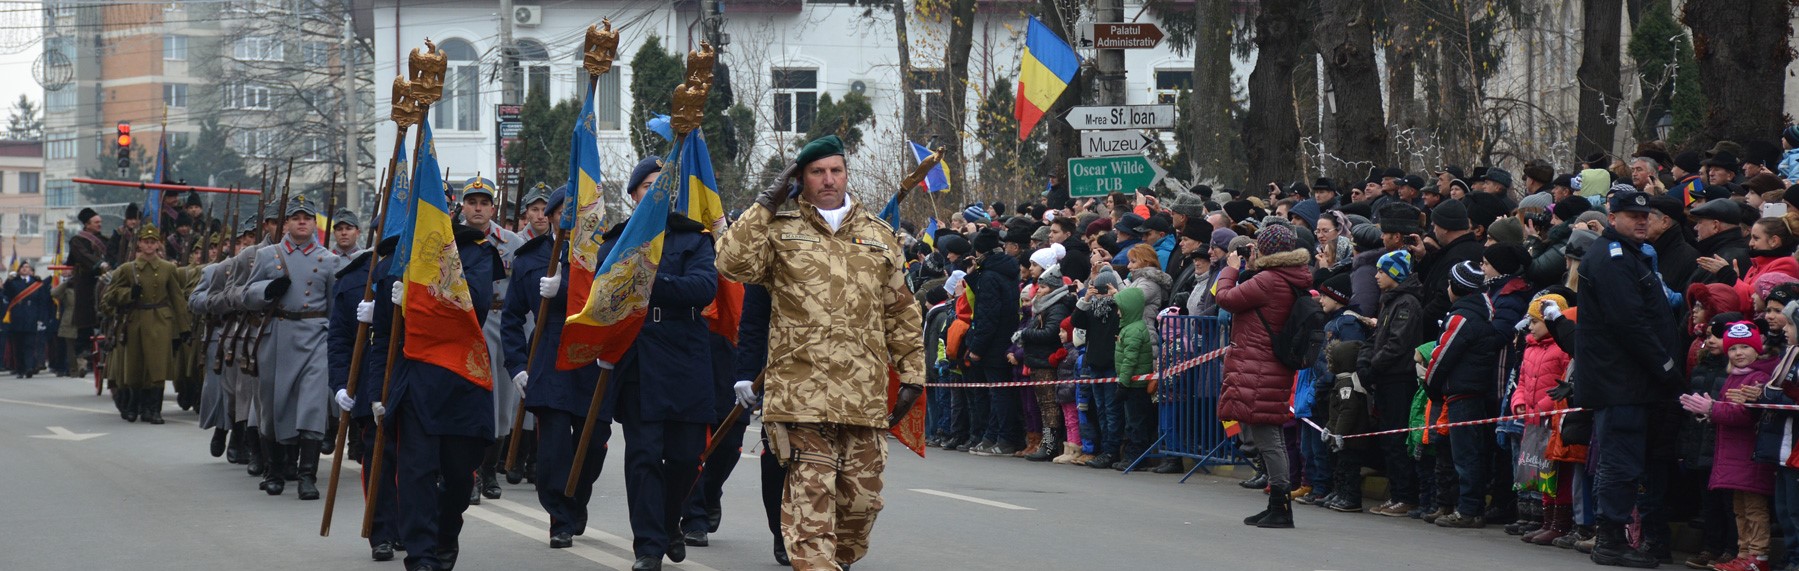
point(841, 316)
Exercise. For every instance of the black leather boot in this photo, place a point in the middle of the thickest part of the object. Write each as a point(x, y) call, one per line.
point(126, 400)
point(309, 468)
point(219, 438)
point(1613, 548)
point(275, 455)
point(151, 400)
point(254, 452)
point(1280, 509)
point(1258, 481)
point(234, 444)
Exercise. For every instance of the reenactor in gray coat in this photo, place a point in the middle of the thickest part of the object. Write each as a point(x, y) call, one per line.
point(478, 212)
point(291, 280)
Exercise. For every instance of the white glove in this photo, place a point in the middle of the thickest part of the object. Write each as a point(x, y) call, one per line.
point(520, 379)
point(548, 286)
point(746, 394)
point(1523, 324)
point(380, 411)
point(365, 311)
point(1552, 310)
point(344, 401)
point(399, 293)
point(607, 365)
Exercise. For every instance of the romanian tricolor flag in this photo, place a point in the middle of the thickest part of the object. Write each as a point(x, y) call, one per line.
point(698, 199)
point(1044, 72)
point(441, 328)
point(581, 218)
point(153, 208)
point(938, 179)
point(890, 212)
point(929, 236)
point(620, 296)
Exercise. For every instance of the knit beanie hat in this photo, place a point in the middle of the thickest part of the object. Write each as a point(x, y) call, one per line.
point(1509, 259)
point(1506, 230)
point(1221, 238)
point(975, 213)
point(1465, 278)
point(1579, 240)
point(1764, 284)
point(1337, 288)
point(1396, 264)
point(1275, 239)
point(1780, 295)
point(986, 240)
point(1450, 215)
point(1536, 305)
point(1742, 333)
point(1047, 256)
point(1542, 200)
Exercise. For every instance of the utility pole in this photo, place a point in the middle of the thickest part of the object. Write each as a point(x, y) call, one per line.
point(1110, 87)
point(347, 57)
point(508, 63)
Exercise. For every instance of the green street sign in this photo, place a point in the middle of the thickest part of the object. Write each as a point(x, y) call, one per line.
point(1098, 176)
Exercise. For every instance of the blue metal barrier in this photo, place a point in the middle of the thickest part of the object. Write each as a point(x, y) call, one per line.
point(1187, 400)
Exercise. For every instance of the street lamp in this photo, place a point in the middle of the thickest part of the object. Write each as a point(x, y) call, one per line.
point(1663, 126)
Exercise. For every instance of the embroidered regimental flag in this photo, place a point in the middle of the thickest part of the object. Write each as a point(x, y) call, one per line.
point(441, 328)
point(581, 218)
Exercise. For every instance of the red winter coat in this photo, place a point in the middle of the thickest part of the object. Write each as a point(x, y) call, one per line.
point(1544, 363)
point(1257, 388)
point(1759, 265)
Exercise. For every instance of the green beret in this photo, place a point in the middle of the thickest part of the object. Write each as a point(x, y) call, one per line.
point(826, 146)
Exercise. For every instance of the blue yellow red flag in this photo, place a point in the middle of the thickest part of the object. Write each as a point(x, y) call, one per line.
point(620, 295)
point(929, 236)
point(441, 328)
point(581, 217)
point(1045, 69)
point(399, 200)
point(938, 179)
point(699, 200)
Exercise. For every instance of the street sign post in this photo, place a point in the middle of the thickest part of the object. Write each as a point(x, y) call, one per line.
point(1118, 117)
point(1113, 143)
point(1125, 35)
point(1098, 176)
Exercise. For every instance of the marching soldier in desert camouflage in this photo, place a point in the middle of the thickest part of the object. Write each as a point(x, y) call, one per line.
point(841, 315)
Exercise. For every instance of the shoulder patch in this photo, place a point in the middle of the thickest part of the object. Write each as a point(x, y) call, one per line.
point(872, 243)
point(787, 214)
point(1616, 250)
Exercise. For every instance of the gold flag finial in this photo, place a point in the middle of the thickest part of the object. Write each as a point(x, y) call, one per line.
point(690, 97)
point(406, 111)
point(601, 48)
point(427, 74)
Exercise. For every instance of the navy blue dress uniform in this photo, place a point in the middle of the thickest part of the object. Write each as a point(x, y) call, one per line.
point(751, 357)
point(557, 399)
point(704, 511)
point(27, 316)
point(384, 535)
point(440, 422)
point(665, 404)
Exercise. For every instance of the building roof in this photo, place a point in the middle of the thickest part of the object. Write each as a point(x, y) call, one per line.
point(22, 149)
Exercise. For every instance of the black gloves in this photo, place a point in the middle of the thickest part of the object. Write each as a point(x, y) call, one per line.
point(908, 395)
point(277, 288)
point(1562, 390)
point(777, 191)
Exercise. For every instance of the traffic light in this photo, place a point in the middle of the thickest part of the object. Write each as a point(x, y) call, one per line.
point(124, 144)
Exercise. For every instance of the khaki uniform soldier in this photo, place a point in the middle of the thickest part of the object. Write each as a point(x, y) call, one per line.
point(841, 315)
point(146, 294)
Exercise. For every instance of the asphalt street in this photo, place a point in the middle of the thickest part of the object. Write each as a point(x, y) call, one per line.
point(86, 490)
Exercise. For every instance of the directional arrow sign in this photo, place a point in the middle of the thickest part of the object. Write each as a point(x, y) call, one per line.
point(60, 433)
point(1113, 143)
point(1119, 117)
point(1097, 176)
point(1125, 36)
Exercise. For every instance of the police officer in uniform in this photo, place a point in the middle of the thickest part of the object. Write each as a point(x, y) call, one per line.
point(346, 301)
point(557, 399)
point(478, 212)
point(664, 401)
point(292, 281)
point(1625, 365)
point(147, 296)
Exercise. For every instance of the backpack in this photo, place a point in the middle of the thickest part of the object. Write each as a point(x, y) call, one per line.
point(1299, 350)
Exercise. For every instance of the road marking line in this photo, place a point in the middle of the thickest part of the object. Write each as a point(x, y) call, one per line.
point(971, 499)
point(542, 536)
point(592, 533)
point(93, 410)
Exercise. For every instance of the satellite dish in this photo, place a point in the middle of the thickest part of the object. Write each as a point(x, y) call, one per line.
point(53, 70)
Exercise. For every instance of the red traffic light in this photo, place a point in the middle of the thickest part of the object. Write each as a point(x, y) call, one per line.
point(124, 134)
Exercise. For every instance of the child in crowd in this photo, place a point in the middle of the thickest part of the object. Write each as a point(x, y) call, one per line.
point(1096, 315)
point(1315, 385)
point(1543, 368)
point(1460, 373)
point(1706, 375)
point(1134, 357)
point(1348, 415)
point(1068, 367)
point(1385, 367)
point(1733, 467)
point(1778, 440)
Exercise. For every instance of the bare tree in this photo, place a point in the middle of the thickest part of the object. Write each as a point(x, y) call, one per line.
point(1345, 38)
point(1601, 94)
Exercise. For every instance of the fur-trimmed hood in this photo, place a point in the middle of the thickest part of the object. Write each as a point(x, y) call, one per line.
point(1296, 257)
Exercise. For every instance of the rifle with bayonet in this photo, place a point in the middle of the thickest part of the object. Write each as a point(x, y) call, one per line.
point(265, 319)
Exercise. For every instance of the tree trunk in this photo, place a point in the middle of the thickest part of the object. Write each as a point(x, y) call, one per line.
point(1405, 110)
point(1600, 91)
point(1345, 37)
point(955, 89)
point(1210, 105)
point(1271, 129)
point(1741, 47)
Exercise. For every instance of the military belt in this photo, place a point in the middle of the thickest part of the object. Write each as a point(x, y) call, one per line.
point(297, 316)
point(682, 314)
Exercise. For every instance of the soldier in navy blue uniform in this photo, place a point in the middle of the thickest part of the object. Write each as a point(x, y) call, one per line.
point(751, 357)
point(1625, 367)
point(441, 424)
point(346, 302)
point(704, 511)
point(665, 403)
point(557, 399)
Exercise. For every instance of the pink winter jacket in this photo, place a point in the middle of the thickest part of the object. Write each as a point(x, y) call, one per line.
point(1733, 464)
point(1544, 363)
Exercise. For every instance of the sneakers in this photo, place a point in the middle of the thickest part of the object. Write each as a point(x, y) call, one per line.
point(1460, 521)
point(1341, 504)
point(1312, 497)
point(1743, 564)
point(1582, 533)
point(1003, 449)
point(1436, 514)
point(979, 447)
point(1704, 560)
point(1102, 461)
point(1393, 509)
point(1299, 492)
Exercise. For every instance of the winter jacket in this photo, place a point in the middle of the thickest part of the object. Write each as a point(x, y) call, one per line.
point(1165, 252)
point(994, 285)
point(1627, 339)
point(1548, 262)
point(1257, 388)
point(1186, 278)
point(1544, 365)
point(28, 313)
point(1203, 299)
point(1349, 411)
point(1730, 245)
point(1510, 299)
point(1697, 438)
point(936, 332)
point(1462, 363)
point(1133, 355)
point(1776, 264)
point(1156, 286)
point(1789, 164)
point(1435, 269)
point(1386, 360)
point(1098, 316)
point(1733, 465)
point(1365, 295)
point(1041, 336)
point(1119, 257)
point(1677, 258)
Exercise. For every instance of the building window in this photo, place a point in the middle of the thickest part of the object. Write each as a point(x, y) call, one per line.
point(534, 64)
point(174, 48)
point(1170, 83)
point(796, 98)
point(61, 193)
point(28, 182)
point(60, 100)
point(315, 149)
point(59, 146)
point(257, 143)
point(3, 180)
point(246, 96)
point(174, 94)
point(258, 48)
point(29, 225)
point(316, 54)
point(460, 109)
point(606, 95)
point(927, 103)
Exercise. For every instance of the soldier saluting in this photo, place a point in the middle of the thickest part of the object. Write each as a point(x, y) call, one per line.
point(147, 295)
point(840, 316)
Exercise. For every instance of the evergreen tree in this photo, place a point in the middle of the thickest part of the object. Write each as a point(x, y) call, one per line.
point(1667, 75)
point(542, 149)
point(654, 74)
point(1007, 165)
point(842, 118)
point(25, 123)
